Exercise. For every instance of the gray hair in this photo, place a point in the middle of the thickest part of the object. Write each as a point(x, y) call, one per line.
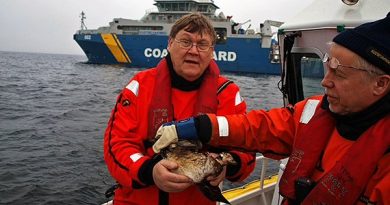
point(373, 70)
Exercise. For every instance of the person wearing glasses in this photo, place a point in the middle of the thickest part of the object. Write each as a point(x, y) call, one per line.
point(185, 83)
point(338, 144)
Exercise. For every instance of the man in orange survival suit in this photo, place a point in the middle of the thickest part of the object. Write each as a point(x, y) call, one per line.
point(338, 144)
point(185, 83)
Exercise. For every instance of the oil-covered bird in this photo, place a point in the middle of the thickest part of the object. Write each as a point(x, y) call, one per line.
point(198, 165)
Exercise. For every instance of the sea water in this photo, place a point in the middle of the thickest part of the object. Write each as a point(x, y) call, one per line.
point(53, 113)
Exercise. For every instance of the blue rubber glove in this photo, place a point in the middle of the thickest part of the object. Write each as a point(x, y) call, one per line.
point(171, 132)
point(186, 129)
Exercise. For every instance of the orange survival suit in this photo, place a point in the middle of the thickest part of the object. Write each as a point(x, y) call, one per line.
point(148, 101)
point(344, 170)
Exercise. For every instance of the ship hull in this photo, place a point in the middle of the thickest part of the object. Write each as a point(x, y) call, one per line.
point(237, 54)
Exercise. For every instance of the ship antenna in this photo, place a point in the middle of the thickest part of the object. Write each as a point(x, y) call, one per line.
point(82, 17)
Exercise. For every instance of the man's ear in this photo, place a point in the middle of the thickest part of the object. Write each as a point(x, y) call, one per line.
point(169, 44)
point(382, 85)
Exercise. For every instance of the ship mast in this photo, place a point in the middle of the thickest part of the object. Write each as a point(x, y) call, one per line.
point(82, 17)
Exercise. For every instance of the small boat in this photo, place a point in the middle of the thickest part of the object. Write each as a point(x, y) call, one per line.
point(142, 43)
point(309, 32)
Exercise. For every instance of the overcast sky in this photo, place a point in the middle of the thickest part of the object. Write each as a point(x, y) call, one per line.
point(48, 25)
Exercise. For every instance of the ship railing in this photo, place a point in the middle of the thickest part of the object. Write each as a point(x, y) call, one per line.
point(87, 31)
point(261, 190)
point(219, 19)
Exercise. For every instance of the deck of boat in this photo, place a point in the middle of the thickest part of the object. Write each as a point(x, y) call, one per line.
point(252, 193)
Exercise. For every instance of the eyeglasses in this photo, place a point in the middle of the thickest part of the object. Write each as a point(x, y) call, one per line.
point(186, 44)
point(334, 64)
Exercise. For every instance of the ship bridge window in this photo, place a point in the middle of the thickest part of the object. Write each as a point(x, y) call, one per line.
point(304, 76)
point(221, 35)
point(187, 7)
point(202, 8)
point(138, 28)
point(312, 72)
point(168, 6)
point(192, 7)
point(175, 7)
point(182, 7)
point(160, 7)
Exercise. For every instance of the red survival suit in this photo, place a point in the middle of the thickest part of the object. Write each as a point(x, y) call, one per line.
point(350, 172)
point(149, 101)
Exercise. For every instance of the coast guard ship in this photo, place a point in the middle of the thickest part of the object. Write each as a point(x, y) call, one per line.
point(142, 43)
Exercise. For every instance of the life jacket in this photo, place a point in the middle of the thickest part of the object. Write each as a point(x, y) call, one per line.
point(161, 110)
point(346, 181)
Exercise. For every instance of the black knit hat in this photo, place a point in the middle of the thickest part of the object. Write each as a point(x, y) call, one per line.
point(371, 41)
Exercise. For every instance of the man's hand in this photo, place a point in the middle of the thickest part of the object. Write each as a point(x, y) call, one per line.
point(173, 131)
point(167, 180)
point(165, 136)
